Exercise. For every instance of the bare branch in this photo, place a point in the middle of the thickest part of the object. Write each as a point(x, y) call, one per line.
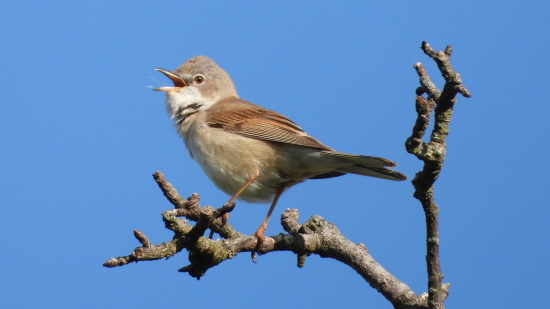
point(315, 236)
point(432, 154)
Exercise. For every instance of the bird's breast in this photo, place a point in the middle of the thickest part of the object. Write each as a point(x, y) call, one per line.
point(230, 160)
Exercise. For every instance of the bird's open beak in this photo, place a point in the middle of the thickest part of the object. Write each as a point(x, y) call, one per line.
point(178, 81)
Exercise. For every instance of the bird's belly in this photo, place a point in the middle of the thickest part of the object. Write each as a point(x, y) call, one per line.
point(230, 160)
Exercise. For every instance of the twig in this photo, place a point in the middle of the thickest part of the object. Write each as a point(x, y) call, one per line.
point(432, 154)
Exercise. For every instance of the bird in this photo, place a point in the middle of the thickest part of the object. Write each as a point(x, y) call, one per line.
point(249, 152)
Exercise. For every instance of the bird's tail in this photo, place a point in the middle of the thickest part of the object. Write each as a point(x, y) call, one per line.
point(367, 166)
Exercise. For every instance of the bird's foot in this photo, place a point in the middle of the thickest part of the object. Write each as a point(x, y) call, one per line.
point(259, 240)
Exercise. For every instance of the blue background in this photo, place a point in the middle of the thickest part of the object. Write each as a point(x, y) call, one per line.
point(82, 132)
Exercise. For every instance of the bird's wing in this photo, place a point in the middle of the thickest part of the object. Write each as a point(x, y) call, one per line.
point(244, 118)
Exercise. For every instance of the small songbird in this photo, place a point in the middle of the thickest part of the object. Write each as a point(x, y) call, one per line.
point(250, 152)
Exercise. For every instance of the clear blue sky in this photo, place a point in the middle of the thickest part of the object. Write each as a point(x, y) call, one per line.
point(82, 132)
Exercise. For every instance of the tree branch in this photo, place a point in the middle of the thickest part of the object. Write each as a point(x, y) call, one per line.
point(315, 236)
point(432, 154)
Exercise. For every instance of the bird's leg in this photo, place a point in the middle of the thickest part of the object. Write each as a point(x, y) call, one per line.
point(261, 230)
point(241, 189)
point(246, 184)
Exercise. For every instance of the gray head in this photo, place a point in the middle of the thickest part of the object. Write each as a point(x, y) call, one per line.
point(198, 84)
point(203, 73)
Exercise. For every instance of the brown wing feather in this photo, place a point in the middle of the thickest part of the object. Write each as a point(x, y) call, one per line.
point(244, 118)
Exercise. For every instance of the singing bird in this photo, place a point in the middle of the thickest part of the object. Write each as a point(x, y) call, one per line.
point(250, 152)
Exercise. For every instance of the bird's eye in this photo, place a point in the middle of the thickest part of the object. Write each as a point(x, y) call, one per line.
point(199, 79)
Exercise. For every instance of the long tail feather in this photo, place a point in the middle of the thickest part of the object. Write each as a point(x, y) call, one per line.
point(366, 161)
point(378, 172)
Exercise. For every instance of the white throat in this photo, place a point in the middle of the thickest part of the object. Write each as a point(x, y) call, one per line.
point(184, 104)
